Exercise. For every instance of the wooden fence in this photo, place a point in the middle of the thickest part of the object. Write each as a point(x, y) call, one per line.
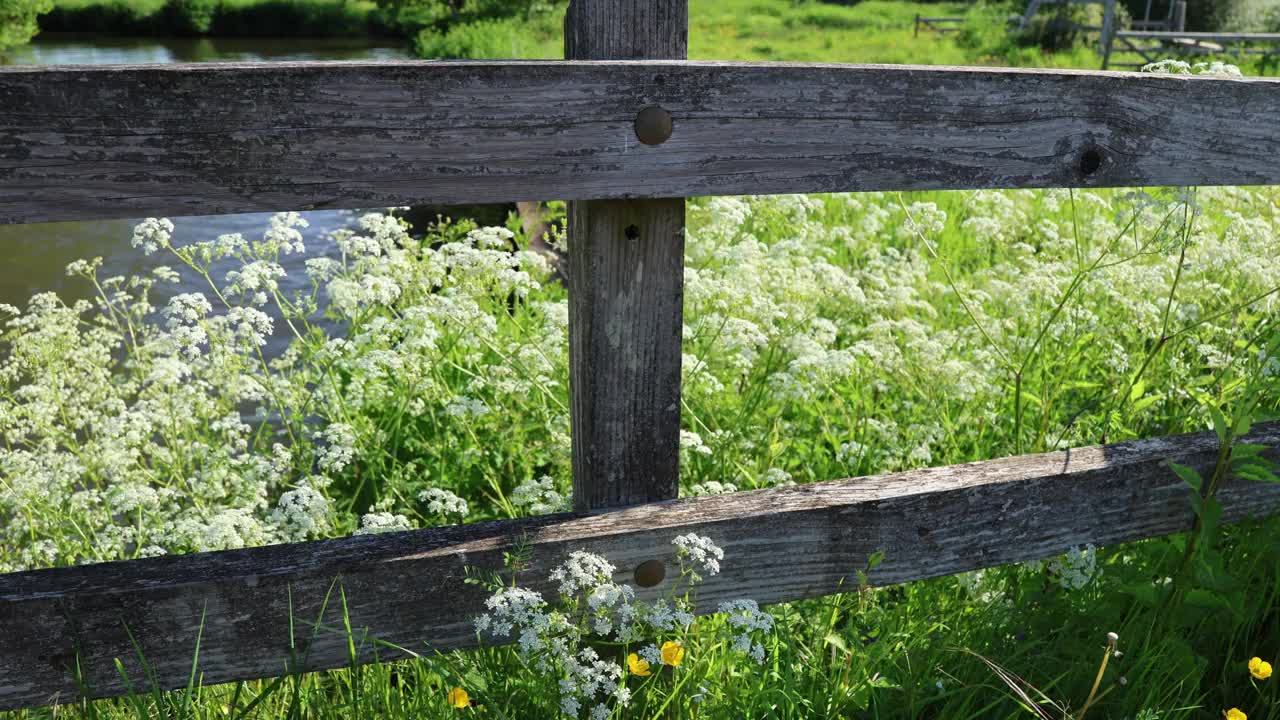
point(625, 130)
point(940, 25)
point(1155, 40)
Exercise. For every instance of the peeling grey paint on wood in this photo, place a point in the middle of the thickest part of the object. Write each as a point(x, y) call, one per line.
point(83, 143)
point(406, 588)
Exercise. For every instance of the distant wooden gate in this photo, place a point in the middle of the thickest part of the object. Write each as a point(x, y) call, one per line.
point(626, 129)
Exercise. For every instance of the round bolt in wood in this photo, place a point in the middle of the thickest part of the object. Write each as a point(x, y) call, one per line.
point(650, 573)
point(653, 125)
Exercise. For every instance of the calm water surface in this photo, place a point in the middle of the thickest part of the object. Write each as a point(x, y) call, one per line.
point(35, 256)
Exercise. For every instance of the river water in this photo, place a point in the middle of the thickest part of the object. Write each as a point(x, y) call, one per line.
point(35, 256)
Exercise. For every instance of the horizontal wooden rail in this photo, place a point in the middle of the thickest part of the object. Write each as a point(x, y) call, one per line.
point(407, 588)
point(1210, 36)
point(126, 141)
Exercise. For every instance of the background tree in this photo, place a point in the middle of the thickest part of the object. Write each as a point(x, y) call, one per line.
point(18, 21)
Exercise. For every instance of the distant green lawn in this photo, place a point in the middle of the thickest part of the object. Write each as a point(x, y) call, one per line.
point(875, 31)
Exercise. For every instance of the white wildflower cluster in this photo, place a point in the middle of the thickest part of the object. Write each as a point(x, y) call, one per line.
point(375, 523)
point(1075, 569)
point(539, 497)
point(152, 234)
point(692, 442)
point(283, 235)
point(581, 571)
point(982, 586)
point(554, 638)
point(745, 617)
point(444, 504)
point(1182, 67)
point(339, 448)
point(698, 554)
point(304, 513)
point(777, 477)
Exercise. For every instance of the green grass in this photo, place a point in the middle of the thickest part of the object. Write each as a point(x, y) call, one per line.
point(874, 31)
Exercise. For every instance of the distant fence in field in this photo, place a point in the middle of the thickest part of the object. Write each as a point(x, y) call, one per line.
point(1155, 40)
point(625, 130)
point(938, 24)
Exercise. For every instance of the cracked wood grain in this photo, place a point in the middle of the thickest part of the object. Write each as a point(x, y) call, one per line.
point(126, 141)
point(406, 588)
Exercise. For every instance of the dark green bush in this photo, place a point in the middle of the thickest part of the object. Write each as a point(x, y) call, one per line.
point(266, 18)
point(289, 18)
point(192, 16)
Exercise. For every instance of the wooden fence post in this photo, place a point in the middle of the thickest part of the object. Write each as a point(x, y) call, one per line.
point(1108, 33)
point(626, 286)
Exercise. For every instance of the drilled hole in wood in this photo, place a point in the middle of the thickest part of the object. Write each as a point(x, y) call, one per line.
point(1090, 161)
point(632, 232)
point(650, 573)
point(653, 125)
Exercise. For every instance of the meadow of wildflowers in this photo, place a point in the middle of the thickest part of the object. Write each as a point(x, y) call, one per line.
point(825, 336)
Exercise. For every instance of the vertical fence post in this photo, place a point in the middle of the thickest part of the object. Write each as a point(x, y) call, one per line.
point(1108, 33)
point(626, 285)
point(1180, 16)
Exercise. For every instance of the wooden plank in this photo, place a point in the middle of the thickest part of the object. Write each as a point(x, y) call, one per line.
point(626, 295)
point(90, 142)
point(626, 264)
point(407, 588)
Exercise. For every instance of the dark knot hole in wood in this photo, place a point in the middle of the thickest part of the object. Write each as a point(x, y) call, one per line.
point(653, 125)
point(632, 232)
point(650, 573)
point(1090, 160)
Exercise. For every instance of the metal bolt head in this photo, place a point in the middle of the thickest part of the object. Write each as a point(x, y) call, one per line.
point(653, 125)
point(650, 573)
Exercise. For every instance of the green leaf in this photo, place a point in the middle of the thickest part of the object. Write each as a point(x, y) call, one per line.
point(1147, 402)
point(1255, 472)
point(876, 558)
point(1206, 599)
point(1247, 450)
point(1243, 424)
point(1188, 475)
point(1219, 423)
point(1137, 390)
point(836, 642)
point(1210, 515)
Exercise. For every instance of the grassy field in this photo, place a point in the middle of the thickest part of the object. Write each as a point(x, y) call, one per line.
point(874, 31)
point(826, 337)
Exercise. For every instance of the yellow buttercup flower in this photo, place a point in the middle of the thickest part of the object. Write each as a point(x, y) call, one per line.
point(672, 653)
point(1234, 714)
point(459, 698)
point(1259, 668)
point(638, 665)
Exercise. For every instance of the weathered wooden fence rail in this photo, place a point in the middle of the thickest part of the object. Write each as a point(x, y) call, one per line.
point(407, 588)
point(629, 129)
point(84, 143)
